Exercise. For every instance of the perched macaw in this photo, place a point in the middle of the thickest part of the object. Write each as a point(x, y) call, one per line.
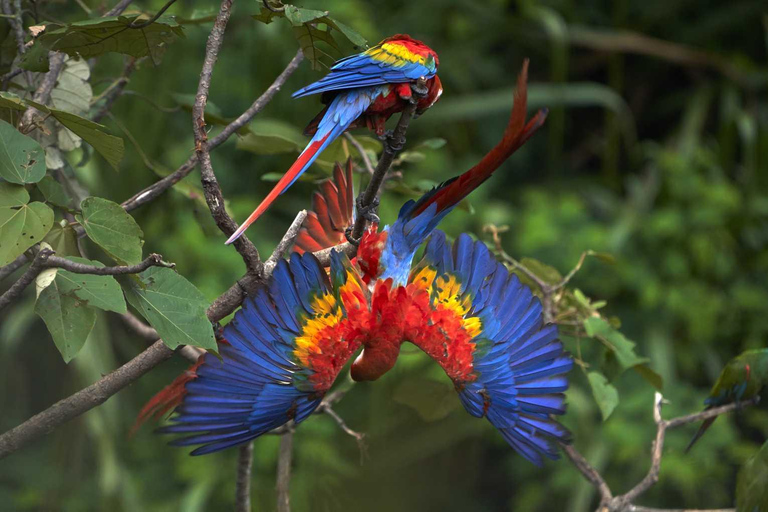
point(741, 379)
point(360, 90)
point(284, 349)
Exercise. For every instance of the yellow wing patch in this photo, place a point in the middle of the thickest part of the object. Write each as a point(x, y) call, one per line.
point(395, 54)
point(445, 291)
point(327, 314)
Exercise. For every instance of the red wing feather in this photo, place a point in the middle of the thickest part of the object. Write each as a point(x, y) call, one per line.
point(332, 213)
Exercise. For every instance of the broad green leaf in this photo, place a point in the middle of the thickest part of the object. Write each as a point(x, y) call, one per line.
point(44, 279)
point(546, 273)
point(298, 16)
point(73, 92)
point(751, 488)
point(12, 101)
point(36, 59)
point(308, 36)
point(173, 306)
point(432, 400)
point(92, 38)
point(112, 228)
point(63, 239)
point(108, 146)
point(53, 191)
point(22, 159)
point(352, 35)
point(605, 394)
point(271, 137)
point(68, 318)
point(336, 151)
point(266, 16)
point(21, 228)
point(13, 195)
point(101, 292)
point(623, 349)
point(653, 378)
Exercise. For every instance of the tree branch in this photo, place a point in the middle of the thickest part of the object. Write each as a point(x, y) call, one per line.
point(43, 92)
point(211, 189)
point(153, 260)
point(360, 149)
point(157, 188)
point(392, 146)
point(118, 8)
point(284, 471)
point(117, 90)
point(623, 502)
point(243, 483)
point(26, 279)
point(154, 18)
point(286, 242)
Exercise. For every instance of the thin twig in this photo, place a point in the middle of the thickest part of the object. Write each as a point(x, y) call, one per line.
point(243, 482)
point(16, 22)
point(153, 260)
point(26, 279)
point(284, 472)
point(623, 502)
point(392, 146)
point(157, 188)
point(153, 18)
point(360, 149)
point(359, 436)
point(286, 241)
point(115, 90)
point(43, 92)
point(211, 188)
point(118, 9)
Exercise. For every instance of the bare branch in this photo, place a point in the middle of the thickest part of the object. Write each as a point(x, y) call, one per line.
point(153, 260)
point(157, 188)
point(243, 483)
point(359, 436)
point(43, 92)
point(82, 401)
point(26, 279)
point(284, 471)
point(589, 472)
point(118, 9)
point(116, 90)
point(153, 18)
point(13, 266)
point(392, 146)
point(633, 508)
point(16, 22)
point(360, 149)
point(286, 242)
point(623, 502)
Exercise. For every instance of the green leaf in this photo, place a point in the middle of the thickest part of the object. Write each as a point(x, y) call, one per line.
point(13, 195)
point(432, 400)
point(623, 349)
point(113, 229)
point(22, 159)
point(12, 101)
point(101, 292)
point(21, 228)
point(92, 38)
point(68, 319)
point(266, 16)
point(435, 143)
point(36, 59)
point(63, 239)
point(173, 306)
point(108, 146)
point(751, 491)
point(546, 273)
point(605, 394)
point(352, 35)
point(53, 191)
point(653, 378)
point(299, 16)
point(308, 36)
point(271, 137)
point(336, 151)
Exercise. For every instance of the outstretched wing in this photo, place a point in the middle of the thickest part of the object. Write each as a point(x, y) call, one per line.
point(332, 212)
point(386, 63)
point(487, 332)
point(284, 349)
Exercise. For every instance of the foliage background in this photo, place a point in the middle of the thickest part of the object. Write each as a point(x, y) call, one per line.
point(660, 163)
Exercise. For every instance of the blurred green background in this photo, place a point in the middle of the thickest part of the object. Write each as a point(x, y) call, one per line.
point(655, 151)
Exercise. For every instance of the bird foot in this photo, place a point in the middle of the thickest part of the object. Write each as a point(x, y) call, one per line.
point(368, 212)
point(419, 90)
point(352, 240)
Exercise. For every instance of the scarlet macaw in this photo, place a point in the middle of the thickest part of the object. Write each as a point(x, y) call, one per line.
point(361, 90)
point(286, 346)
